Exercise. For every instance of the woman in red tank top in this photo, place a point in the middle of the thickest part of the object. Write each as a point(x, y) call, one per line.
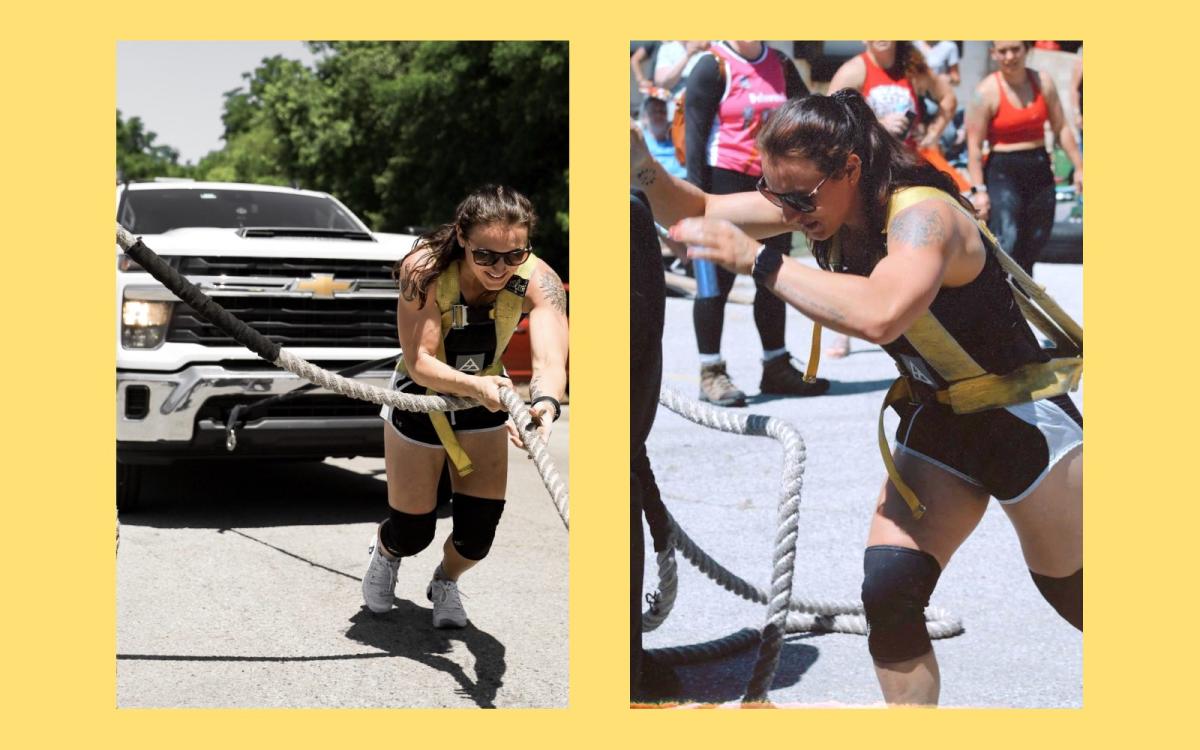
point(1014, 192)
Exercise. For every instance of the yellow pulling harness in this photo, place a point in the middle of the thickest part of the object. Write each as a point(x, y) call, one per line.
point(506, 312)
point(971, 388)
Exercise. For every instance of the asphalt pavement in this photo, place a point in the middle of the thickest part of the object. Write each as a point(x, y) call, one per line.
point(239, 586)
point(723, 490)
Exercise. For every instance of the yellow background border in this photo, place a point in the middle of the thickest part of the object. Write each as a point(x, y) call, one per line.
point(59, 625)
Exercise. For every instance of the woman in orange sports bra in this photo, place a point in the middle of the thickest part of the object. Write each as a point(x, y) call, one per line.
point(1014, 192)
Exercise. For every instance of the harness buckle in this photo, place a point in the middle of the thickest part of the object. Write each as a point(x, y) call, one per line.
point(458, 317)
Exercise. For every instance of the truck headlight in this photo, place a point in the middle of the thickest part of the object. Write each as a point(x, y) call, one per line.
point(143, 323)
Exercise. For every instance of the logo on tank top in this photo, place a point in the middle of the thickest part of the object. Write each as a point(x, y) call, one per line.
point(469, 362)
point(918, 369)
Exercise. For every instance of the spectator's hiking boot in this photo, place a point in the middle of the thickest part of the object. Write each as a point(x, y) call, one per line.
point(780, 378)
point(379, 584)
point(717, 388)
point(448, 610)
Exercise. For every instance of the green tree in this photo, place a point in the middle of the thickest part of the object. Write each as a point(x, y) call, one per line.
point(139, 157)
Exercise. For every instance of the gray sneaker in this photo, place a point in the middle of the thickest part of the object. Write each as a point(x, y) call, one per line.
point(448, 610)
point(717, 388)
point(379, 584)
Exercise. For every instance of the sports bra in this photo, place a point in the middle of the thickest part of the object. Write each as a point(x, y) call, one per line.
point(1018, 125)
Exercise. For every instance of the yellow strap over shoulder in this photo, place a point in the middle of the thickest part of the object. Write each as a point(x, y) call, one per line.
point(507, 313)
point(971, 388)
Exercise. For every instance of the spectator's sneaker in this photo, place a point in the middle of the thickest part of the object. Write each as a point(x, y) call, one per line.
point(717, 388)
point(780, 378)
point(379, 584)
point(448, 610)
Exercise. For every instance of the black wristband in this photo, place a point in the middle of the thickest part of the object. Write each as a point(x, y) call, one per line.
point(766, 264)
point(553, 401)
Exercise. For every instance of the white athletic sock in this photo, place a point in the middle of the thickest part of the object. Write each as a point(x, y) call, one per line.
point(768, 356)
point(710, 359)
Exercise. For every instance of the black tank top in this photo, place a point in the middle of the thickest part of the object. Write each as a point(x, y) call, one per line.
point(473, 348)
point(982, 316)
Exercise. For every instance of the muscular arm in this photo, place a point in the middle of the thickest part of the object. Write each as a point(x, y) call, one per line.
point(547, 333)
point(940, 89)
point(979, 114)
point(673, 199)
point(879, 307)
point(1058, 122)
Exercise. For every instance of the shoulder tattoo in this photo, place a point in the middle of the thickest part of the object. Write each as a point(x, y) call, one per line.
point(918, 227)
point(552, 289)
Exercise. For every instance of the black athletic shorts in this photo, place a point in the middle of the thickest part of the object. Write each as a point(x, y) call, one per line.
point(1006, 451)
point(416, 427)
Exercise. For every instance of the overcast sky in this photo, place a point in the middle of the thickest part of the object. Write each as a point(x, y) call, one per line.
point(176, 87)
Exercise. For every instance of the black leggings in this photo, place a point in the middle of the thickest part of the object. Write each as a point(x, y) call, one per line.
point(708, 315)
point(647, 295)
point(1021, 189)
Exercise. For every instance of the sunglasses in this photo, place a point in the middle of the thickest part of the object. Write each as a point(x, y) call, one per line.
point(802, 202)
point(513, 258)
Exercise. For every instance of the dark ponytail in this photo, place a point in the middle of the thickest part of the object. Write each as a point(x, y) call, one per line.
point(827, 129)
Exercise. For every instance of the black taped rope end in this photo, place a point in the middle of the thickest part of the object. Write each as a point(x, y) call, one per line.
point(200, 302)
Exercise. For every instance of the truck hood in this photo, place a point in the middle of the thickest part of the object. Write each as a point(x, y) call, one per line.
point(213, 242)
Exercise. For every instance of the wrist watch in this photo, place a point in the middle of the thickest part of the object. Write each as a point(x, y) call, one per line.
point(766, 263)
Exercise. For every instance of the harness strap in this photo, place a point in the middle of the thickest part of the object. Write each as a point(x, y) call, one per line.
point(507, 313)
point(899, 391)
point(971, 388)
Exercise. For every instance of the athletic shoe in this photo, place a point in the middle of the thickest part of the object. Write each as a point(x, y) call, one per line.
point(448, 610)
point(717, 388)
point(379, 584)
point(781, 378)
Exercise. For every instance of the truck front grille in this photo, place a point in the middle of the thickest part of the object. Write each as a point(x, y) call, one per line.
point(295, 267)
point(295, 322)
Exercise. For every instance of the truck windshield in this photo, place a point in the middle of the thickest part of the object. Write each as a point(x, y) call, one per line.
point(158, 211)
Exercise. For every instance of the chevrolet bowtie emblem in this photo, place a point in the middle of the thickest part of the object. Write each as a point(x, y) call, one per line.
point(322, 286)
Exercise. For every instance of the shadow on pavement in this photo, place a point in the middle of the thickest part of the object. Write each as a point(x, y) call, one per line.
point(725, 680)
point(406, 632)
point(218, 495)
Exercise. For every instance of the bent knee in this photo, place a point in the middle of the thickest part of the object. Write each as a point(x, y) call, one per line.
point(897, 584)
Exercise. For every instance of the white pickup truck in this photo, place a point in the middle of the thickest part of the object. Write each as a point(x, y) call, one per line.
point(295, 264)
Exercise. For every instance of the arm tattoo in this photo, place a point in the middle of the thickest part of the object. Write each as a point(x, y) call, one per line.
point(918, 228)
point(535, 388)
point(646, 176)
point(552, 289)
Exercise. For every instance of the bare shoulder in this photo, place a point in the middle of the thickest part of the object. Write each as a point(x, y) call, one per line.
point(852, 74)
point(545, 287)
point(932, 223)
point(987, 93)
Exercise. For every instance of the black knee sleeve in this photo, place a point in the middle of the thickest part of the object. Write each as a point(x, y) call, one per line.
point(897, 583)
point(475, 520)
point(1064, 594)
point(406, 534)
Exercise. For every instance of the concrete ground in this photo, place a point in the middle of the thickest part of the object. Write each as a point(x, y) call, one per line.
point(239, 586)
point(1016, 651)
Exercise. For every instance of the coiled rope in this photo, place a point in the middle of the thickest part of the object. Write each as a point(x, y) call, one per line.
point(785, 614)
point(248, 337)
